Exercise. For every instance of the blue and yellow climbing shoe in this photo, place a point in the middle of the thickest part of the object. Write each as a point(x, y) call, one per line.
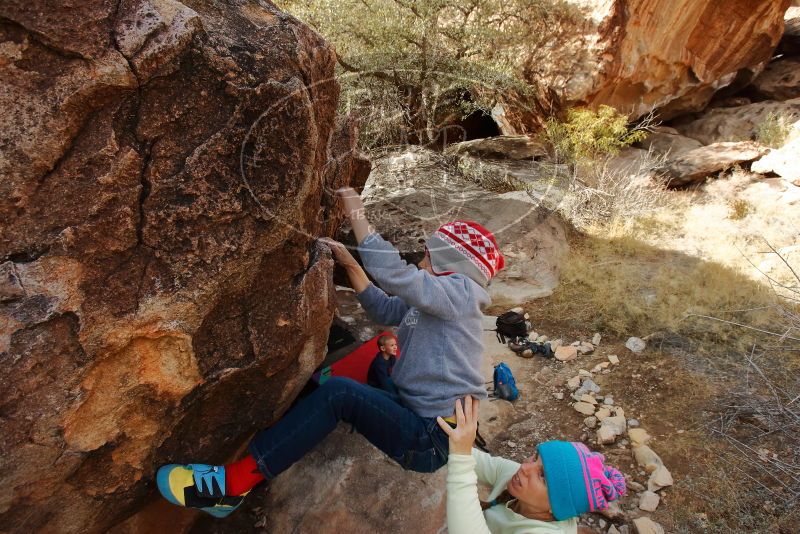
point(197, 486)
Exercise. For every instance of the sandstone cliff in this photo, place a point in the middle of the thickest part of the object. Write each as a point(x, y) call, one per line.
point(166, 167)
point(645, 54)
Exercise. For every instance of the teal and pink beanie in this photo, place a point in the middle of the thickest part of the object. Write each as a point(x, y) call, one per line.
point(577, 479)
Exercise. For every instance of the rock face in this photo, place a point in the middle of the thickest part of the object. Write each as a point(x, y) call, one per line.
point(697, 164)
point(672, 55)
point(166, 167)
point(784, 162)
point(738, 123)
point(513, 147)
point(780, 80)
point(665, 140)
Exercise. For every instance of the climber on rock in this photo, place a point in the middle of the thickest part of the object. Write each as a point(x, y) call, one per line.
point(438, 308)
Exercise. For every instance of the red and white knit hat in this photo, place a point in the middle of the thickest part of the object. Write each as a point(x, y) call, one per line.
point(467, 248)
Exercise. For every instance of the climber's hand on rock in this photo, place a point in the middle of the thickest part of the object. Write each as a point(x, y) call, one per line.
point(462, 436)
point(340, 252)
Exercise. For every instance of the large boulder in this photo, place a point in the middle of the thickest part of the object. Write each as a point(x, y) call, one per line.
point(166, 168)
point(667, 141)
point(738, 123)
point(784, 161)
point(346, 485)
point(508, 147)
point(694, 166)
point(780, 80)
point(669, 55)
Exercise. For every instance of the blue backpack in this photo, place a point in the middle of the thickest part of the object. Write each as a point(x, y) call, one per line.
point(505, 387)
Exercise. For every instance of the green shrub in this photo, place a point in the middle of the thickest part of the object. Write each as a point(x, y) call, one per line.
point(740, 209)
point(774, 130)
point(588, 135)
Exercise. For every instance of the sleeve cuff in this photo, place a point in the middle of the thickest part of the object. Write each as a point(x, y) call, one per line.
point(372, 236)
point(368, 295)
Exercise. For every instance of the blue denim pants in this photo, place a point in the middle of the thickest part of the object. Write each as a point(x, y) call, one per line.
point(416, 443)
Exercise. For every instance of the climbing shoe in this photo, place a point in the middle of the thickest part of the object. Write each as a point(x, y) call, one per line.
point(197, 486)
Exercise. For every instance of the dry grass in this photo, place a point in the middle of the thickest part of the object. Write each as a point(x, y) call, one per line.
point(615, 198)
point(713, 276)
point(627, 287)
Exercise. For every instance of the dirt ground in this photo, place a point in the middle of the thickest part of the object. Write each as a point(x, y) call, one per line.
point(732, 451)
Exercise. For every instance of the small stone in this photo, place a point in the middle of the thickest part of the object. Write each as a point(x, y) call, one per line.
point(590, 421)
point(638, 435)
point(633, 423)
point(511, 444)
point(558, 395)
point(585, 348)
point(635, 344)
point(574, 383)
point(584, 372)
point(596, 339)
point(660, 478)
point(566, 354)
point(584, 407)
point(634, 486)
point(542, 339)
point(527, 316)
point(602, 413)
point(575, 344)
point(648, 501)
point(556, 343)
point(645, 525)
point(619, 412)
point(613, 359)
point(612, 530)
point(624, 529)
point(590, 386)
point(613, 511)
point(588, 398)
point(616, 423)
point(533, 335)
point(606, 435)
point(518, 310)
point(646, 457)
point(602, 523)
point(608, 401)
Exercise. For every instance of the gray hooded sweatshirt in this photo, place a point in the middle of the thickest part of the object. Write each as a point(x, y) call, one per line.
point(440, 332)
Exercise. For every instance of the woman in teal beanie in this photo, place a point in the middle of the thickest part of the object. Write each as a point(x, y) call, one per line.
point(543, 495)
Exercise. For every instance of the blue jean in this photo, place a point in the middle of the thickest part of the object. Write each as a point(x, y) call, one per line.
point(416, 443)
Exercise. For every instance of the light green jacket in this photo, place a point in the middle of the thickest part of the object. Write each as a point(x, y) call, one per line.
point(464, 514)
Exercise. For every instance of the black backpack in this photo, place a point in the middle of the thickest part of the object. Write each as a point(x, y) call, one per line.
point(510, 325)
